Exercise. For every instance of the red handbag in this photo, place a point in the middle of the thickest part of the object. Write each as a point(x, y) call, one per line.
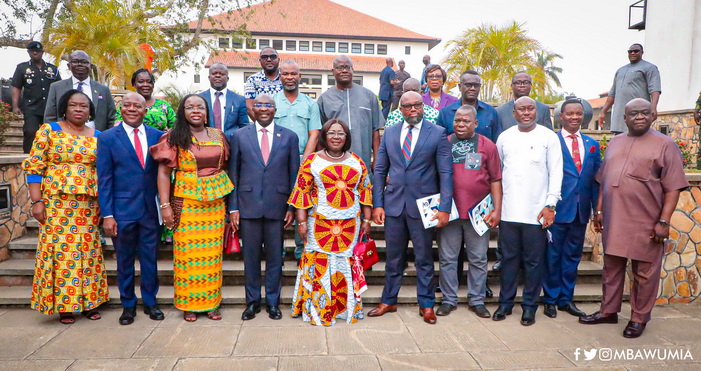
point(366, 250)
point(231, 240)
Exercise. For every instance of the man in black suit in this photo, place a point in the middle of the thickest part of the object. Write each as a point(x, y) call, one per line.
point(263, 165)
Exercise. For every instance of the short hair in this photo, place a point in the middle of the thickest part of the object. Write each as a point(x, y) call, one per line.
point(469, 72)
point(325, 129)
point(63, 103)
point(335, 60)
point(139, 71)
point(435, 67)
point(290, 61)
point(570, 101)
point(518, 73)
point(219, 64)
point(469, 108)
point(640, 45)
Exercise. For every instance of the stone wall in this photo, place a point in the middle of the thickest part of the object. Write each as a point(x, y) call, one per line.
point(13, 223)
point(680, 125)
point(680, 280)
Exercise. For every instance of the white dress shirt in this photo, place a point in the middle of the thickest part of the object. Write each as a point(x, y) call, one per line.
point(142, 138)
point(86, 86)
point(568, 141)
point(270, 128)
point(222, 100)
point(414, 135)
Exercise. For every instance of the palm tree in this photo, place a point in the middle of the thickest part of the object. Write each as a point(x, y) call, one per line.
point(111, 32)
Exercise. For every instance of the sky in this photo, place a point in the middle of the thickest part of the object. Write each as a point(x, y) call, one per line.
point(591, 35)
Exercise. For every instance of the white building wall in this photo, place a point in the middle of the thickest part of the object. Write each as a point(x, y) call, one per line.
point(673, 43)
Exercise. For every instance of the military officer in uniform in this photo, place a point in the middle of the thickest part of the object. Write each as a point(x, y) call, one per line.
point(30, 87)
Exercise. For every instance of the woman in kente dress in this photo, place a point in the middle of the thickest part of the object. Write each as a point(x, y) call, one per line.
point(333, 197)
point(197, 155)
point(69, 274)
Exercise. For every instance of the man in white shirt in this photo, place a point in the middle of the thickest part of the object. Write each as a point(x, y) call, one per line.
point(531, 157)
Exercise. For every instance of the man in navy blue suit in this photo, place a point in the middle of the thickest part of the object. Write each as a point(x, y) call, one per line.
point(227, 110)
point(263, 165)
point(126, 176)
point(580, 192)
point(414, 161)
point(387, 82)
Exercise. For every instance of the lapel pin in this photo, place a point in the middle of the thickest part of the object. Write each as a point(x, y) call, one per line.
point(278, 134)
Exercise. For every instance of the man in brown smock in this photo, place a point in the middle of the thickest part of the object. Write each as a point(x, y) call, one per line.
point(641, 178)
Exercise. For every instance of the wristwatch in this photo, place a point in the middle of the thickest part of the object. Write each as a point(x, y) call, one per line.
point(551, 207)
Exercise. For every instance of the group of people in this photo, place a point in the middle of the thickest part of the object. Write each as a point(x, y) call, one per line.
point(274, 157)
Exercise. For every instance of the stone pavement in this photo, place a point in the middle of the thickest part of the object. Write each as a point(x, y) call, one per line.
point(397, 341)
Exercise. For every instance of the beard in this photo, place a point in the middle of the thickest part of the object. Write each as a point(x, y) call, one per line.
point(414, 120)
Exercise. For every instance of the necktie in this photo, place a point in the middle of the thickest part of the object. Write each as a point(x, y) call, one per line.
point(575, 153)
point(264, 146)
point(217, 110)
point(406, 147)
point(137, 147)
point(80, 85)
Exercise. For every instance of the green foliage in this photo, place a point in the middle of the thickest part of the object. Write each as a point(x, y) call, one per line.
point(174, 95)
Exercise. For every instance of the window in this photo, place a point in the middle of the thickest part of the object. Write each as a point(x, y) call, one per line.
point(356, 48)
point(310, 79)
point(246, 75)
point(382, 49)
point(330, 47)
point(304, 46)
point(291, 45)
point(343, 47)
point(264, 44)
point(407, 50)
point(237, 44)
point(317, 46)
point(223, 43)
point(197, 78)
point(369, 48)
point(251, 44)
point(277, 44)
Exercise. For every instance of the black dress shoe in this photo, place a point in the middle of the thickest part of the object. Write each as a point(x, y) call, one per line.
point(127, 317)
point(497, 266)
point(597, 318)
point(528, 317)
point(274, 312)
point(550, 311)
point(250, 311)
point(571, 309)
point(633, 330)
point(488, 292)
point(480, 310)
point(444, 309)
point(501, 313)
point(154, 312)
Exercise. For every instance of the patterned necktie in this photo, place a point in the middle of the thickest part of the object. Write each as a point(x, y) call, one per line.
point(575, 152)
point(80, 86)
point(264, 146)
point(137, 147)
point(406, 147)
point(217, 110)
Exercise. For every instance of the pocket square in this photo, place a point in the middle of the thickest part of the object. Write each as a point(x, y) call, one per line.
point(592, 149)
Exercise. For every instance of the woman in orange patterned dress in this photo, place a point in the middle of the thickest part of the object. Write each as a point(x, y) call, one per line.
point(69, 275)
point(332, 195)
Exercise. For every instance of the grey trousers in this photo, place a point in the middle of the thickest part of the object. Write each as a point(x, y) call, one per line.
point(450, 240)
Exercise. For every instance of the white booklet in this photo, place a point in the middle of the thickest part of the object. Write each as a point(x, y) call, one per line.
point(479, 212)
point(428, 207)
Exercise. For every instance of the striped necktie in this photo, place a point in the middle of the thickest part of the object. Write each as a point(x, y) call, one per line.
point(406, 146)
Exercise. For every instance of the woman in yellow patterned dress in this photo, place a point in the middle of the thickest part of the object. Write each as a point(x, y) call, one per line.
point(198, 155)
point(69, 274)
point(333, 192)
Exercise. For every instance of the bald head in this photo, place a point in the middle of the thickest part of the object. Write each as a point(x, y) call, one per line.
point(411, 105)
point(638, 116)
point(525, 113)
point(638, 103)
point(411, 84)
point(521, 85)
point(79, 64)
point(133, 109)
point(343, 71)
point(389, 61)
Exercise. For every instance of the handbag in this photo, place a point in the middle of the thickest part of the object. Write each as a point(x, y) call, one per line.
point(176, 204)
point(366, 250)
point(231, 240)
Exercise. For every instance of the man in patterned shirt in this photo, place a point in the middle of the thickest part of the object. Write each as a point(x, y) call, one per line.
point(430, 113)
point(266, 81)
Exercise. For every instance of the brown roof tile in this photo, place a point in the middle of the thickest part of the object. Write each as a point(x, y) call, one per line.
point(312, 18)
point(307, 62)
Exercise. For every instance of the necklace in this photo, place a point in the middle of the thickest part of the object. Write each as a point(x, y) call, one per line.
point(334, 157)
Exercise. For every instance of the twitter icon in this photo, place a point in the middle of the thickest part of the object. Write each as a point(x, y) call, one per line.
point(589, 355)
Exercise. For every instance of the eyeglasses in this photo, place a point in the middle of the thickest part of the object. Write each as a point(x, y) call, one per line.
point(80, 62)
point(272, 57)
point(434, 77)
point(634, 51)
point(266, 105)
point(408, 106)
point(338, 134)
point(192, 108)
point(521, 83)
point(470, 85)
point(343, 68)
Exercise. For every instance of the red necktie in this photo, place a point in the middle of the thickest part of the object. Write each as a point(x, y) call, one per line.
point(217, 110)
point(137, 146)
point(575, 152)
point(264, 146)
point(406, 147)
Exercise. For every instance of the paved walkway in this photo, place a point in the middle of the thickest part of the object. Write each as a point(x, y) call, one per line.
point(397, 341)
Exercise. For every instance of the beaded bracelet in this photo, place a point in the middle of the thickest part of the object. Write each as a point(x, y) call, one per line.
point(37, 201)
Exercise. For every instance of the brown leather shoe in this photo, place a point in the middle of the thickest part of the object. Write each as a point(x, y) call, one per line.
point(428, 315)
point(381, 309)
point(633, 330)
point(597, 318)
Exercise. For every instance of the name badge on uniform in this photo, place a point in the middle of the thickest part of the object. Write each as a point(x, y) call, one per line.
point(473, 161)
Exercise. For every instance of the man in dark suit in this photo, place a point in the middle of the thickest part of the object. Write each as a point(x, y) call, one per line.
point(79, 64)
point(580, 192)
point(387, 82)
point(417, 158)
point(127, 182)
point(263, 165)
point(227, 110)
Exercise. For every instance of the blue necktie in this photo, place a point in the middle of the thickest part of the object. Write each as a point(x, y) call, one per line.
point(406, 147)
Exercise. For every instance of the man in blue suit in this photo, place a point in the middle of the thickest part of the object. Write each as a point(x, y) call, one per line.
point(386, 86)
point(227, 110)
point(126, 176)
point(580, 192)
point(414, 161)
point(263, 165)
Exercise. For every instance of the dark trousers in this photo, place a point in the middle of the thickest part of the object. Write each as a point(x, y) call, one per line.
point(137, 238)
point(521, 243)
point(562, 259)
point(262, 237)
point(32, 122)
point(398, 230)
point(385, 107)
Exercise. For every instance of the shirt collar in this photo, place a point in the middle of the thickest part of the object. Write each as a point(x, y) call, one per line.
point(86, 81)
point(405, 126)
point(130, 130)
point(567, 133)
point(270, 128)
